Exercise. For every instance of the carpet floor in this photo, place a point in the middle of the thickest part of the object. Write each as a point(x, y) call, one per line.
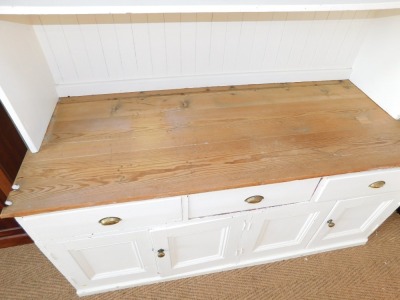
point(366, 272)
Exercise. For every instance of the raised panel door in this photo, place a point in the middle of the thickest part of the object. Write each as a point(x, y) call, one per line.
point(281, 231)
point(197, 246)
point(353, 220)
point(99, 261)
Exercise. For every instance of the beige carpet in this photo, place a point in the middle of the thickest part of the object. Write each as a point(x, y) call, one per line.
point(366, 272)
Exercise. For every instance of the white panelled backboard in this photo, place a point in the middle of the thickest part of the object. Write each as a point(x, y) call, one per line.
point(98, 54)
point(26, 84)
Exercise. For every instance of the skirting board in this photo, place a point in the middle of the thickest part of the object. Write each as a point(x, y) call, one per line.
point(166, 83)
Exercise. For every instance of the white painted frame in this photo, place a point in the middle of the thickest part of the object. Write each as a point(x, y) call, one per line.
point(186, 6)
point(376, 70)
point(26, 85)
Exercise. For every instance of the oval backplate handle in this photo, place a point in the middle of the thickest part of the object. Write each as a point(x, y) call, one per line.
point(110, 221)
point(160, 253)
point(254, 199)
point(330, 223)
point(377, 184)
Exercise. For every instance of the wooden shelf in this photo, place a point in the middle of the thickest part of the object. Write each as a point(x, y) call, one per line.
point(126, 147)
point(27, 7)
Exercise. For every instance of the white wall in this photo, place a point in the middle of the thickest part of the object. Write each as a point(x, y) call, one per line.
point(94, 54)
point(376, 70)
point(26, 85)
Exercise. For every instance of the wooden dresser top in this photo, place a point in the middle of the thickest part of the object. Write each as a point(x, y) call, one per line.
point(136, 146)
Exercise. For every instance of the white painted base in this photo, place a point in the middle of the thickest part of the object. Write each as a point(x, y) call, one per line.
point(304, 252)
point(167, 83)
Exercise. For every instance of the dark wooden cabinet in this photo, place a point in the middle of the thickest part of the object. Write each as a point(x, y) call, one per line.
point(12, 152)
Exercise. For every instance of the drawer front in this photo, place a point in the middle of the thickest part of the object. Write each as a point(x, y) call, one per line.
point(226, 201)
point(357, 185)
point(86, 221)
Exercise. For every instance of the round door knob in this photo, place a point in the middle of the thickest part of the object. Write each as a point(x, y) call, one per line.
point(160, 253)
point(330, 223)
point(377, 184)
point(254, 199)
point(110, 221)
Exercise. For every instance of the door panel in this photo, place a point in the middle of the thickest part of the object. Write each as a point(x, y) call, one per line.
point(354, 219)
point(90, 262)
point(198, 245)
point(279, 231)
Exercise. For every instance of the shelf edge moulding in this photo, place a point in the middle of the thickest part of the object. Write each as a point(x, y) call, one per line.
point(186, 6)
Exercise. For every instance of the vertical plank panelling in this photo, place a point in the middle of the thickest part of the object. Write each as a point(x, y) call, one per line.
point(173, 43)
point(87, 49)
point(334, 41)
point(274, 40)
point(246, 41)
point(232, 39)
point(344, 38)
point(109, 42)
point(46, 48)
point(203, 42)
point(291, 27)
point(188, 44)
point(219, 26)
point(157, 44)
point(74, 39)
point(354, 38)
point(261, 34)
point(142, 45)
point(59, 47)
point(314, 37)
point(301, 32)
point(93, 45)
point(325, 33)
point(126, 45)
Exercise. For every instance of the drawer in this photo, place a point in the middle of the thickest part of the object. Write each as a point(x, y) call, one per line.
point(357, 185)
point(226, 201)
point(85, 221)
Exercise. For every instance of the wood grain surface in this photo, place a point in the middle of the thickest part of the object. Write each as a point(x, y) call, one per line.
point(126, 147)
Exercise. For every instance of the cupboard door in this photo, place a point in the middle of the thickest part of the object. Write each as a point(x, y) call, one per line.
point(199, 245)
point(281, 231)
point(98, 261)
point(353, 220)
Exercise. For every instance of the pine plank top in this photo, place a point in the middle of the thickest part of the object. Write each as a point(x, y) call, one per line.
point(126, 147)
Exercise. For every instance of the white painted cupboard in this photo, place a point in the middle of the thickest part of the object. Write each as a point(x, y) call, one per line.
point(68, 48)
point(353, 220)
point(169, 244)
point(100, 262)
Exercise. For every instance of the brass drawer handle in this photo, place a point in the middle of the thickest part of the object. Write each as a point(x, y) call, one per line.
point(377, 184)
point(254, 199)
point(330, 223)
point(110, 221)
point(160, 253)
